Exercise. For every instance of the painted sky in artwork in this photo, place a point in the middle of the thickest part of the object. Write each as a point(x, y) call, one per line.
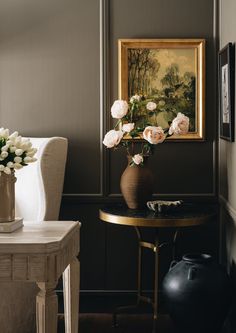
point(185, 58)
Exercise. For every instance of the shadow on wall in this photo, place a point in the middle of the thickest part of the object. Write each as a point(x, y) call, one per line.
point(229, 257)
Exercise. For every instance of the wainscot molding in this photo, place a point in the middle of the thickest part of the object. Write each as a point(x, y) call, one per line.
point(226, 205)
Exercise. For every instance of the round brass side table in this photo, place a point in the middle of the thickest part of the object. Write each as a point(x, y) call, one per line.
point(188, 215)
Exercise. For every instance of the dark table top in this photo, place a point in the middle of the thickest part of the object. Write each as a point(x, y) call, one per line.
point(184, 216)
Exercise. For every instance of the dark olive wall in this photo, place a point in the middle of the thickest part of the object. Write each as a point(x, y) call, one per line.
point(50, 86)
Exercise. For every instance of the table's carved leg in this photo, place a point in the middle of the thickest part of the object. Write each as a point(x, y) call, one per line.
point(46, 308)
point(71, 279)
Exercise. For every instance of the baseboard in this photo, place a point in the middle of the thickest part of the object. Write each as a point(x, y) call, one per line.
point(105, 301)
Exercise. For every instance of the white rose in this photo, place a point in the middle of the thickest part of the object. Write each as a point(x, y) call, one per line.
point(135, 98)
point(151, 106)
point(180, 125)
point(7, 170)
point(112, 138)
point(137, 159)
point(17, 166)
point(154, 135)
point(128, 127)
point(19, 152)
point(119, 109)
point(4, 154)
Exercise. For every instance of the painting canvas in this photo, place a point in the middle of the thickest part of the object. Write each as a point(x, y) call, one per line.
point(168, 72)
point(226, 91)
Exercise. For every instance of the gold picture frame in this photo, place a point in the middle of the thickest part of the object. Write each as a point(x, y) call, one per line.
point(170, 72)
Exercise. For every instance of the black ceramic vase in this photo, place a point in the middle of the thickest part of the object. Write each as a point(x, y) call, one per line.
point(197, 293)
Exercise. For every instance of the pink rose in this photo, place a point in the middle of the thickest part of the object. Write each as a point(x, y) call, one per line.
point(180, 125)
point(112, 138)
point(128, 127)
point(154, 135)
point(119, 109)
point(137, 159)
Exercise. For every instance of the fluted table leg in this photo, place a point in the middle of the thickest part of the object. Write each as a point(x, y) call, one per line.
point(46, 308)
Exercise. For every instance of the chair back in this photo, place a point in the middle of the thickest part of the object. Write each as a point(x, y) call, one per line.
point(39, 185)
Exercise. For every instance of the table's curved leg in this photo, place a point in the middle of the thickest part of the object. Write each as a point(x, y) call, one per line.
point(46, 308)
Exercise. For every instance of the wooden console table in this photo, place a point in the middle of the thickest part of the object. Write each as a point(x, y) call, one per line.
point(40, 252)
point(188, 215)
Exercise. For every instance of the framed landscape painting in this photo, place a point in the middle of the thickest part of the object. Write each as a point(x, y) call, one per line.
point(226, 91)
point(169, 72)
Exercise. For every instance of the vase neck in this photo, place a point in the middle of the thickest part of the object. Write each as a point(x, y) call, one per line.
point(197, 258)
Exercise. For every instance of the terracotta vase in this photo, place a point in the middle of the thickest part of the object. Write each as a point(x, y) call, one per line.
point(7, 197)
point(136, 185)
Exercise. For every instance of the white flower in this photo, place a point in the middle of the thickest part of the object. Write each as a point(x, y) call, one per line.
point(10, 165)
point(2, 167)
point(135, 98)
point(31, 152)
point(4, 133)
point(137, 159)
point(128, 127)
point(18, 166)
point(29, 159)
point(19, 152)
point(12, 149)
point(180, 125)
point(119, 109)
point(4, 154)
point(151, 106)
point(112, 138)
point(14, 135)
point(7, 170)
point(17, 159)
point(154, 135)
point(5, 148)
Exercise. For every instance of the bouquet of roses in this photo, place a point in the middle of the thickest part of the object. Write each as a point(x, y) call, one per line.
point(128, 126)
point(15, 151)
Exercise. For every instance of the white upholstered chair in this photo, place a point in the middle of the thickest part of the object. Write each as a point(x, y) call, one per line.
point(38, 196)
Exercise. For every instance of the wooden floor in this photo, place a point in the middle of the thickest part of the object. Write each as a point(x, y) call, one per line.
point(102, 323)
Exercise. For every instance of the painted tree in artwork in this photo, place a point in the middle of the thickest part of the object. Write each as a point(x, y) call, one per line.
point(142, 68)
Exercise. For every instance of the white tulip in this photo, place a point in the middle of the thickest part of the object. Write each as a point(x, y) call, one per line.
point(2, 167)
point(32, 159)
point(5, 148)
point(27, 159)
point(19, 152)
point(17, 166)
point(31, 152)
point(10, 165)
point(13, 135)
point(7, 170)
point(17, 159)
point(4, 154)
point(12, 149)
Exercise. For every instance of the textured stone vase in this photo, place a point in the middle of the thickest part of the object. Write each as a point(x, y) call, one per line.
point(7, 197)
point(136, 185)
